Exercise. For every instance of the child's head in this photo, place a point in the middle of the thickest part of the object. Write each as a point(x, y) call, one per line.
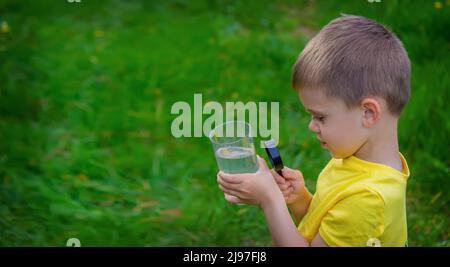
point(353, 76)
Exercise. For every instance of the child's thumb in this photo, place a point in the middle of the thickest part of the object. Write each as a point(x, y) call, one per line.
point(262, 164)
point(290, 173)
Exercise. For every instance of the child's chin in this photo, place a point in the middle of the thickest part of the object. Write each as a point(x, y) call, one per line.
point(336, 154)
point(331, 153)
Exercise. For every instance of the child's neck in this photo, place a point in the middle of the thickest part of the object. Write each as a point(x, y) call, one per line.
point(382, 148)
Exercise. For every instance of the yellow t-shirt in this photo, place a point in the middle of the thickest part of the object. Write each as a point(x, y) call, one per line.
point(358, 203)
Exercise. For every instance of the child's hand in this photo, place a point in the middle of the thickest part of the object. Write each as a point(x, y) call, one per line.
point(291, 184)
point(250, 188)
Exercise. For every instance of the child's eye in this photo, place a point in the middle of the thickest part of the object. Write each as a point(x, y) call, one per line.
point(319, 118)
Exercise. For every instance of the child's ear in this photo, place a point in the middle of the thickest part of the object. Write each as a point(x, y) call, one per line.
point(371, 111)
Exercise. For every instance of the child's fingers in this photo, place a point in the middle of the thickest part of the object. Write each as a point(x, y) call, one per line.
point(227, 185)
point(284, 190)
point(232, 199)
point(287, 191)
point(230, 178)
point(284, 186)
point(230, 191)
point(289, 173)
point(279, 179)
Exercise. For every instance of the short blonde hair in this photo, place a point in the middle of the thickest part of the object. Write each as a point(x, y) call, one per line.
point(354, 57)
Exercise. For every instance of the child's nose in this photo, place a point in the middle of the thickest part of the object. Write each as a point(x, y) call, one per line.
point(313, 127)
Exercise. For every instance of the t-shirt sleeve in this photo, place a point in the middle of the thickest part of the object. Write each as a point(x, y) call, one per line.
point(354, 220)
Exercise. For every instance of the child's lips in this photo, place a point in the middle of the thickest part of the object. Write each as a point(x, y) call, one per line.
point(322, 142)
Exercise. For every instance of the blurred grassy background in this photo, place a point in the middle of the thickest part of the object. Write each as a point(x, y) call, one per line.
point(85, 96)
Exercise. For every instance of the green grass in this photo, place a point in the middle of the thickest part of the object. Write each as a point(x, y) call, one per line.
point(85, 95)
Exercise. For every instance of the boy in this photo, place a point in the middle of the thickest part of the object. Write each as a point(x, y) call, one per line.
point(353, 77)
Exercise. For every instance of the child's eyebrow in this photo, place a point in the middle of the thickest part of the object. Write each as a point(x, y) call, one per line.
point(315, 112)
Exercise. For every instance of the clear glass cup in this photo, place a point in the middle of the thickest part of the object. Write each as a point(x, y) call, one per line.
point(233, 147)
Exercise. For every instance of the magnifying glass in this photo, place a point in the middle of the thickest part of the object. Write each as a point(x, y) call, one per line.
point(274, 156)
